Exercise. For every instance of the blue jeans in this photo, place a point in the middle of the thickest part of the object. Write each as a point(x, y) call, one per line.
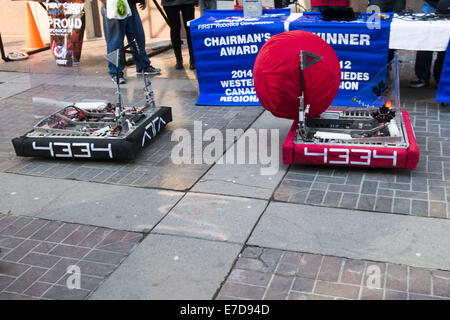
point(116, 30)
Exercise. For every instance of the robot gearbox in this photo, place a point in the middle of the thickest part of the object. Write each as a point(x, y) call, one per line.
point(376, 134)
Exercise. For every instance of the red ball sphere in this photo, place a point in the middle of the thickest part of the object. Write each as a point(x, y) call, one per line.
point(276, 74)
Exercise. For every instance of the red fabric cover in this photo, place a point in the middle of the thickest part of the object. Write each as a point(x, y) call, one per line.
point(379, 156)
point(315, 3)
point(413, 151)
point(276, 74)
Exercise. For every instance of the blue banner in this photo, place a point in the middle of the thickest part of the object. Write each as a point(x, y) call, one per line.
point(225, 46)
point(443, 93)
point(362, 48)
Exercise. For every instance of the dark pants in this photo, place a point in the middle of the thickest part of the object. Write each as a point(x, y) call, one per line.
point(116, 30)
point(389, 5)
point(173, 14)
point(424, 60)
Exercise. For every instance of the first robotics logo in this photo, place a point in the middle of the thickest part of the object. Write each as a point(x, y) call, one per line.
point(236, 20)
point(59, 51)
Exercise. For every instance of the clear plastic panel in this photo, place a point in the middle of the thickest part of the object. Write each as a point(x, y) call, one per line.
point(378, 121)
point(64, 101)
point(381, 89)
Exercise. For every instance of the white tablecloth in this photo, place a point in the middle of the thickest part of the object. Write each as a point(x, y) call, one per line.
point(408, 34)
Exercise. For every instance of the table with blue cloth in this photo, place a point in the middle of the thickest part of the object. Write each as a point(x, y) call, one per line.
point(362, 47)
point(226, 43)
point(225, 47)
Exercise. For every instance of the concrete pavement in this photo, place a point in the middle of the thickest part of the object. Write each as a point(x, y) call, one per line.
point(150, 229)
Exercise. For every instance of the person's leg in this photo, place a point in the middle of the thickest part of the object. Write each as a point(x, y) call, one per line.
point(134, 31)
point(173, 15)
point(423, 58)
point(423, 65)
point(114, 34)
point(438, 64)
point(188, 14)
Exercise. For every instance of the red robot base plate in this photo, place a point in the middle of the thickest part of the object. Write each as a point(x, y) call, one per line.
point(351, 137)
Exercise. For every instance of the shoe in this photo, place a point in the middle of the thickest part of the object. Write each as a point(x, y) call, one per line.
point(191, 58)
point(121, 79)
point(179, 58)
point(179, 65)
point(192, 64)
point(436, 81)
point(151, 70)
point(419, 83)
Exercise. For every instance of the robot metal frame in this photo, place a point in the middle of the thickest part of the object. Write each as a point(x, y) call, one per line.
point(361, 137)
point(97, 130)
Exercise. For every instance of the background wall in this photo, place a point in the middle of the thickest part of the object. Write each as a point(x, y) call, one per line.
point(12, 17)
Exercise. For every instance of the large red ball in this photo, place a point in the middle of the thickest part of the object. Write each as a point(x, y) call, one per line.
point(276, 74)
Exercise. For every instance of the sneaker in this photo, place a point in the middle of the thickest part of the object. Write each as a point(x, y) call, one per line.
point(121, 79)
point(419, 83)
point(151, 70)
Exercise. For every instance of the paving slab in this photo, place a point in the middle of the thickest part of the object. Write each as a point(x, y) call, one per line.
point(124, 208)
point(93, 62)
point(250, 180)
point(101, 81)
point(11, 89)
point(414, 241)
point(170, 267)
point(24, 195)
point(11, 76)
point(213, 217)
point(119, 207)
